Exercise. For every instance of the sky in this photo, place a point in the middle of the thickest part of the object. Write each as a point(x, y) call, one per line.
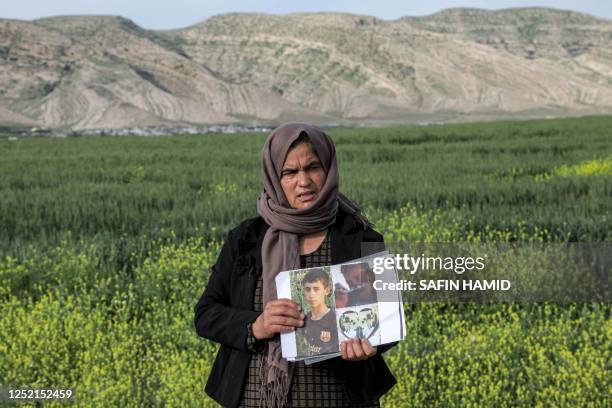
point(159, 14)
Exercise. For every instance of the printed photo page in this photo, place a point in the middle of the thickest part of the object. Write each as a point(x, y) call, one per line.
point(340, 303)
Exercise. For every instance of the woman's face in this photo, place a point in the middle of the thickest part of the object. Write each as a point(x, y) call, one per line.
point(302, 177)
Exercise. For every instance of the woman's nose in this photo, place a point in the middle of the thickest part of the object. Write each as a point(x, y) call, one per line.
point(303, 179)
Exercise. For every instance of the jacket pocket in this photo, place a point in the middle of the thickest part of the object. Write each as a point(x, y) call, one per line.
point(227, 376)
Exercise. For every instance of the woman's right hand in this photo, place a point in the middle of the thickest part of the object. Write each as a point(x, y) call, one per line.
point(279, 316)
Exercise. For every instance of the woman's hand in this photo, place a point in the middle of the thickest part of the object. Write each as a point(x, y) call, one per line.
point(279, 316)
point(355, 349)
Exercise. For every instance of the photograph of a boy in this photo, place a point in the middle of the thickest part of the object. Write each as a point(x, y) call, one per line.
point(320, 333)
point(360, 291)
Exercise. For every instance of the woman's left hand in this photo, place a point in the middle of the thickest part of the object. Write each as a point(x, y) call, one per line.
point(355, 349)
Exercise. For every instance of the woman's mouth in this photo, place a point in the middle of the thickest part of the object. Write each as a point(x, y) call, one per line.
point(306, 197)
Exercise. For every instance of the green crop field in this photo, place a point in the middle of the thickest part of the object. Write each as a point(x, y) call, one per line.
point(106, 244)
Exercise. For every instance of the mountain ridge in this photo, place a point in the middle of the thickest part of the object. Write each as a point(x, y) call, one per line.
point(83, 72)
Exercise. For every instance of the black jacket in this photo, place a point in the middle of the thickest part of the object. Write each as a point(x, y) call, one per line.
point(226, 307)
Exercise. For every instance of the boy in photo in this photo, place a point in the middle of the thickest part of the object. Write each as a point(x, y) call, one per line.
point(320, 324)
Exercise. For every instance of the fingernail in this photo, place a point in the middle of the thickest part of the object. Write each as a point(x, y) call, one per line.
point(302, 316)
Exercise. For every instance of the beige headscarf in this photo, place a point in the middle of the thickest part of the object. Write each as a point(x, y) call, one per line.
point(279, 250)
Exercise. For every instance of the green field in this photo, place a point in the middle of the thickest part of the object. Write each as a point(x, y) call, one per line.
point(106, 244)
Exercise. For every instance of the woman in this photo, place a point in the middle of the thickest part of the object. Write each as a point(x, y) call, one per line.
point(303, 222)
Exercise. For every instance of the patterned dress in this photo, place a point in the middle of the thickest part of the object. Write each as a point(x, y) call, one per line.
point(316, 385)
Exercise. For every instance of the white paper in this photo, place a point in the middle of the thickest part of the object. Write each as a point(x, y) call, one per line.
point(340, 304)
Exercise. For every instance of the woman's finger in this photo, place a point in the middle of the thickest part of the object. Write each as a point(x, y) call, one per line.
point(357, 349)
point(283, 302)
point(277, 328)
point(343, 350)
point(367, 348)
point(284, 321)
point(283, 310)
point(350, 355)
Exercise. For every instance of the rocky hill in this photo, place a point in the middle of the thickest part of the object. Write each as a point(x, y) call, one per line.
point(83, 72)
